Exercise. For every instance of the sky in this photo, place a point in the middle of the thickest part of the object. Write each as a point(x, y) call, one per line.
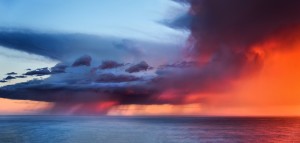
point(158, 57)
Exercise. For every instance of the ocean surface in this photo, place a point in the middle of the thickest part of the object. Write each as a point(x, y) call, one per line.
point(93, 129)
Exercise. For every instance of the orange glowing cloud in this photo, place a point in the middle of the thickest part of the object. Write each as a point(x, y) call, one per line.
point(8, 106)
point(165, 109)
point(272, 90)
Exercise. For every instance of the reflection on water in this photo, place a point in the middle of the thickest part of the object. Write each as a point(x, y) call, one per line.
point(90, 129)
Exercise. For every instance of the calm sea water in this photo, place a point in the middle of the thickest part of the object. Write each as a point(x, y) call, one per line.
point(91, 129)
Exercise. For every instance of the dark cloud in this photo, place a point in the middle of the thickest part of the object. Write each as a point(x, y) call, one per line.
point(224, 35)
point(142, 66)
point(65, 46)
point(182, 64)
point(110, 65)
point(39, 72)
point(11, 73)
point(220, 49)
point(80, 85)
point(9, 78)
point(21, 76)
point(50, 45)
point(83, 61)
point(80, 93)
point(168, 69)
point(3, 81)
point(83, 87)
point(116, 78)
point(32, 42)
point(219, 26)
point(58, 68)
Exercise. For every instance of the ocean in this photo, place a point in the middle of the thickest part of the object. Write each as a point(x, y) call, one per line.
point(94, 129)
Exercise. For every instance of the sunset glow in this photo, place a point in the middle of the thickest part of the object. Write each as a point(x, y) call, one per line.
point(150, 71)
point(215, 59)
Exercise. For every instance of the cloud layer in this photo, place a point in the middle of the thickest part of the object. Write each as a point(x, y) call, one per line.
point(224, 45)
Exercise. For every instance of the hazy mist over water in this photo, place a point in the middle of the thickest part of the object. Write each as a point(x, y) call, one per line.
point(93, 129)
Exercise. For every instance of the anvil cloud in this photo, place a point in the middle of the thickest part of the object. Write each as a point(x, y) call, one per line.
point(229, 40)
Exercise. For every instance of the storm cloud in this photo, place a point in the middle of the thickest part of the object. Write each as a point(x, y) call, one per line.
point(110, 65)
point(79, 84)
point(52, 45)
point(142, 66)
point(116, 78)
point(20, 76)
point(11, 73)
point(83, 61)
point(221, 48)
point(9, 78)
point(234, 26)
point(58, 68)
point(39, 72)
point(227, 36)
point(64, 47)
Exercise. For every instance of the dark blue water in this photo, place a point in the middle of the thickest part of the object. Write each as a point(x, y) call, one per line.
point(91, 129)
